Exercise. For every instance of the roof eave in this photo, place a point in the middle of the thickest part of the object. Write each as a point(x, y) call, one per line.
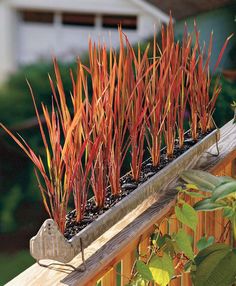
point(153, 10)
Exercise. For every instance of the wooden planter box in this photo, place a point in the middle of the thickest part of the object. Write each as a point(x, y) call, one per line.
point(49, 243)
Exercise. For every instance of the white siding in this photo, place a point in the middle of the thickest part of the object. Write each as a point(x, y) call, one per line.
point(99, 6)
point(7, 41)
point(27, 42)
point(42, 41)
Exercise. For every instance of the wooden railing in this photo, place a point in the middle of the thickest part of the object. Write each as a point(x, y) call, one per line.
point(110, 259)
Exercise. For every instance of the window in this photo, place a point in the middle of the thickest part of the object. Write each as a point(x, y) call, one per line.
point(112, 21)
point(37, 17)
point(75, 19)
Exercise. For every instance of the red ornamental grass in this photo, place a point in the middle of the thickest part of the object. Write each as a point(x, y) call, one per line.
point(184, 92)
point(202, 104)
point(172, 87)
point(77, 163)
point(83, 152)
point(192, 98)
point(100, 119)
point(54, 182)
point(69, 151)
point(137, 85)
point(155, 116)
point(120, 102)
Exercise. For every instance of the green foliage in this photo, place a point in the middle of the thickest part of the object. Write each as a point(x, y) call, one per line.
point(207, 205)
point(227, 190)
point(224, 111)
point(138, 281)
point(9, 204)
point(201, 180)
point(204, 242)
point(15, 171)
point(144, 270)
point(162, 269)
point(216, 266)
point(184, 243)
point(214, 263)
point(222, 196)
point(15, 96)
point(187, 215)
point(14, 264)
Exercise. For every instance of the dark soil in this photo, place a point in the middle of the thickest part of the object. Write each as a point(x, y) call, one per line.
point(127, 186)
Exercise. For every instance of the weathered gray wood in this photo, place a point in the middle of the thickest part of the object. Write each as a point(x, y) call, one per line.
point(104, 250)
point(40, 246)
point(49, 242)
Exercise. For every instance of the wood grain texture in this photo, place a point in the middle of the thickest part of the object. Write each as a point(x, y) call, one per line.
point(126, 267)
point(109, 278)
point(144, 250)
point(173, 228)
point(112, 246)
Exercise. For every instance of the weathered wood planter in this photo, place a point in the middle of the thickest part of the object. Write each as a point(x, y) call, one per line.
point(49, 243)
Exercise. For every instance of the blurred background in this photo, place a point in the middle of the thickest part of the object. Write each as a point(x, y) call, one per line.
point(31, 32)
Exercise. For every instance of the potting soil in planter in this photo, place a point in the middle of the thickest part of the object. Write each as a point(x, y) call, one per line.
point(127, 186)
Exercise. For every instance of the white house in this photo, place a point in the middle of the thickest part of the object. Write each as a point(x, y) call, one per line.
point(30, 30)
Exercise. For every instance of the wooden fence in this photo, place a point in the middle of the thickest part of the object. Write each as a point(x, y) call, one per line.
point(110, 259)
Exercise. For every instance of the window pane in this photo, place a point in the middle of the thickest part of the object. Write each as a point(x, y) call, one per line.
point(112, 21)
point(75, 19)
point(37, 16)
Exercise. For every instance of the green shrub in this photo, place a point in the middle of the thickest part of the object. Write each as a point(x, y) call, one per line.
point(16, 108)
point(15, 96)
point(224, 112)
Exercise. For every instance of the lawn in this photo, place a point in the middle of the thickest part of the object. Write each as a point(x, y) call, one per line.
point(13, 264)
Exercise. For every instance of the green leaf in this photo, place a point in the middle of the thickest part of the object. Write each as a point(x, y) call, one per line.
point(202, 180)
point(216, 269)
point(162, 239)
point(144, 270)
point(187, 215)
point(184, 243)
point(179, 189)
point(226, 179)
point(209, 250)
point(188, 266)
point(204, 242)
point(224, 191)
point(170, 247)
point(191, 186)
point(162, 269)
point(207, 205)
point(195, 195)
point(138, 281)
point(228, 212)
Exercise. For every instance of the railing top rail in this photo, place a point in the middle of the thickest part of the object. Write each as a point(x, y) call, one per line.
point(113, 244)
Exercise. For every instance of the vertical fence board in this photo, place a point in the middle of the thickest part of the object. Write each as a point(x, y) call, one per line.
point(173, 227)
point(144, 250)
point(233, 169)
point(109, 279)
point(228, 169)
point(92, 283)
point(219, 225)
point(126, 267)
point(200, 231)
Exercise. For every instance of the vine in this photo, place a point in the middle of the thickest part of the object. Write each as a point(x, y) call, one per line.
point(169, 256)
